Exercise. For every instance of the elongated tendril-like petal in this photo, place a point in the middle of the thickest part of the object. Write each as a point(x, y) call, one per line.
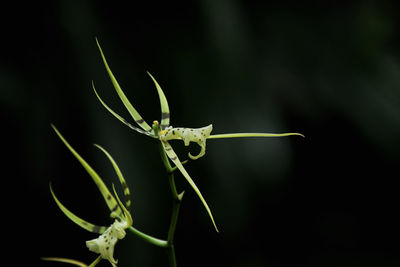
point(110, 200)
point(172, 155)
point(65, 260)
point(124, 121)
point(135, 115)
point(238, 135)
point(127, 214)
point(81, 222)
point(165, 114)
point(73, 262)
point(121, 178)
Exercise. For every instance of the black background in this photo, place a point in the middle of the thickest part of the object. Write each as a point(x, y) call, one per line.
point(330, 71)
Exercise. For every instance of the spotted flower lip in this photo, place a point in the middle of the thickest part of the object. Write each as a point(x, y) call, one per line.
point(198, 136)
point(105, 243)
point(164, 132)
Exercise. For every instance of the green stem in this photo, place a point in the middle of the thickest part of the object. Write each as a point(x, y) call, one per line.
point(176, 203)
point(171, 256)
point(148, 238)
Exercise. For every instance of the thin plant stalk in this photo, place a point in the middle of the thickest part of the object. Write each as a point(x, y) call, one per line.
point(176, 203)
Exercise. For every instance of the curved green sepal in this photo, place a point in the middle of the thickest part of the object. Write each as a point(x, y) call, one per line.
point(127, 214)
point(172, 155)
point(135, 115)
point(165, 114)
point(110, 200)
point(236, 135)
point(73, 262)
point(120, 118)
point(81, 222)
point(121, 178)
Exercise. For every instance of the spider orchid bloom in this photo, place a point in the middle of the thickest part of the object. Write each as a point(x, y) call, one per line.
point(105, 243)
point(164, 132)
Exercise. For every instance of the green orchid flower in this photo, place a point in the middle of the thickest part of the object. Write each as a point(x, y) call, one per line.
point(109, 236)
point(164, 132)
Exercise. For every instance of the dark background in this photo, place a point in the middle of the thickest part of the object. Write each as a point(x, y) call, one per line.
point(330, 71)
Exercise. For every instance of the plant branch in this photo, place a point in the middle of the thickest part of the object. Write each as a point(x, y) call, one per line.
point(148, 238)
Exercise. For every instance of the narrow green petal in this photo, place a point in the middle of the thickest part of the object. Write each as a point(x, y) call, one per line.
point(118, 116)
point(236, 135)
point(121, 178)
point(165, 115)
point(71, 261)
point(127, 214)
point(135, 115)
point(65, 260)
point(81, 222)
point(172, 155)
point(110, 200)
